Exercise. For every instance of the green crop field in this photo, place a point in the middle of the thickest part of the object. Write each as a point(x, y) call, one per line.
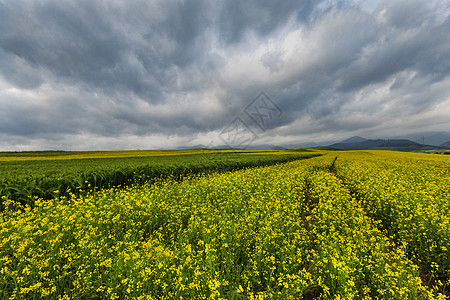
point(247, 225)
point(49, 174)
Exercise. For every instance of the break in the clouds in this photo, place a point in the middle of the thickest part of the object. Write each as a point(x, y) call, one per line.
point(154, 74)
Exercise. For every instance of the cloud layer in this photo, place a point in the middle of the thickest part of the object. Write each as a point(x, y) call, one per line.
point(152, 74)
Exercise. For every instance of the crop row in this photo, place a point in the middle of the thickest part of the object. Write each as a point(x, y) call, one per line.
point(288, 231)
point(409, 195)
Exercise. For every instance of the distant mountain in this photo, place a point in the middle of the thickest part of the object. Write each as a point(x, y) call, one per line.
point(364, 145)
point(399, 143)
point(446, 144)
point(434, 138)
point(301, 145)
point(353, 140)
point(265, 146)
point(378, 143)
point(200, 146)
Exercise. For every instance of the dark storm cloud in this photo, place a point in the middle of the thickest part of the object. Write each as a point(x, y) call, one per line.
point(395, 52)
point(236, 18)
point(106, 45)
point(124, 70)
point(358, 50)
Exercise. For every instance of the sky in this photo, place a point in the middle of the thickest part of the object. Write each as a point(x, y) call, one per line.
point(138, 74)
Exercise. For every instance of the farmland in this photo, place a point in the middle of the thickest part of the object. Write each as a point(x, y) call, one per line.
point(342, 225)
point(49, 174)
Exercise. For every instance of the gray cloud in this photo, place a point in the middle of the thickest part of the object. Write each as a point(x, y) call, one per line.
point(237, 18)
point(177, 72)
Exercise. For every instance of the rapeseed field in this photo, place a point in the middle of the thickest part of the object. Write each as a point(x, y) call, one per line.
point(25, 175)
point(345, 225)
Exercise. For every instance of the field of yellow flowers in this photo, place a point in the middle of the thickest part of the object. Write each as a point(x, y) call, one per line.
point(345, 225)
point(409, 195)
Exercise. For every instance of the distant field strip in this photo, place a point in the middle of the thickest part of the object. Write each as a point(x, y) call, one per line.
point(61, 155)
point(296, 230)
